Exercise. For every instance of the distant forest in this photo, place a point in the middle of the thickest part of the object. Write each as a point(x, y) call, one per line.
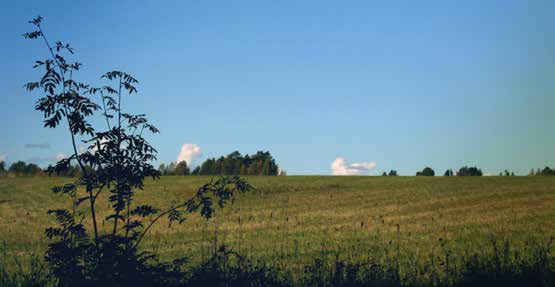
point(260, 163)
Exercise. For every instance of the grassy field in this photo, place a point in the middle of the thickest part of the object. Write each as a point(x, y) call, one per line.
point(290, 220)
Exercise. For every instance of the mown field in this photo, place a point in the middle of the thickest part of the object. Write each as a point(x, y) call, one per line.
point(288, 221)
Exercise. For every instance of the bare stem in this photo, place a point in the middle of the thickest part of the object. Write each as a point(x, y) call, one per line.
point(141, 236)
point(62, 74)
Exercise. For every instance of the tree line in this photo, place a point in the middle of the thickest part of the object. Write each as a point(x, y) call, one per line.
point(546, 171)
point(475, 171)
point(428, 171)
point(21, 168)
point(260, 163)
point(463, 171)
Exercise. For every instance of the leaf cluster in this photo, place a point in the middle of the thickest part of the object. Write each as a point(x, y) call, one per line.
point(115, 160)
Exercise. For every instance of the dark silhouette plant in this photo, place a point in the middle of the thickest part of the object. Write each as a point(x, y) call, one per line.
point(469, 171)
point(427, 171)
point(115, 161)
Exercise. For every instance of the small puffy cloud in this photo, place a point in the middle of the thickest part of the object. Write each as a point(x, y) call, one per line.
point(59, 157)
point(341, 167)
point(81, 148)
point(189, 153)
point(3, 158)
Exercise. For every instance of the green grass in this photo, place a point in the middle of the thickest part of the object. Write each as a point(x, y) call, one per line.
point(290, 220)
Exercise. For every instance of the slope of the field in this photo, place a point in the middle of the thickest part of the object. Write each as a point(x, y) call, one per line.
point(293, 218)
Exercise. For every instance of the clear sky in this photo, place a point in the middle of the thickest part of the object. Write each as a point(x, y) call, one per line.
point(403, 84)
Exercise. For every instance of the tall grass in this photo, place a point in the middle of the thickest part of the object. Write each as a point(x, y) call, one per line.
point(497, 265)
point(327, 231)
point(27, 272)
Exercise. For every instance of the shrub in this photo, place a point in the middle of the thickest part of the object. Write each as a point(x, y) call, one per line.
point(427, 171)
point(182, 169)
point(546, 171)
point(469, 171)
point(20, 168)
point(2, 168)
point(116, 161)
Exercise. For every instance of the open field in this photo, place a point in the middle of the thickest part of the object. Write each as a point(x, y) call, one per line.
point(293, 219)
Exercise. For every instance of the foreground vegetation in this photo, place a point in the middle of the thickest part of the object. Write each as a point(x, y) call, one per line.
point(92, 245)
point(416, 230)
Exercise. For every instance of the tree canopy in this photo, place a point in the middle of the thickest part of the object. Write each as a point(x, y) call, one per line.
point(182, 169)
point(546, 171)
point(2, 167)
point(20, 168)
point(427, 171)
point(260, 163)
point(469, 171)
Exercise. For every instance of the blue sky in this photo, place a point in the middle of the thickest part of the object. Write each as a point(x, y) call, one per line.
point(404, 84)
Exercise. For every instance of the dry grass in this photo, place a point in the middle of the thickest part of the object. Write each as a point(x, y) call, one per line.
point(294, 218)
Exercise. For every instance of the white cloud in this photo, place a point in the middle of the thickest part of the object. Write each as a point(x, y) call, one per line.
point(341, 167)
point(60, 156)
point(3, 158)
point(189, 153)
point(81, 149)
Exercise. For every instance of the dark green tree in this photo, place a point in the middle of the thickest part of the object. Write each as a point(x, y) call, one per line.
point(255, 168)
point(208, 167)
point(261, 163)
point(427, 171)
point(18, 168)
point(196, 171)
point(32, 169)
point(116, 162)
point(546, 171)
point(2, 167)
point(469, 171)
point(170, 169)
point(266, 167)
point(182, 169)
